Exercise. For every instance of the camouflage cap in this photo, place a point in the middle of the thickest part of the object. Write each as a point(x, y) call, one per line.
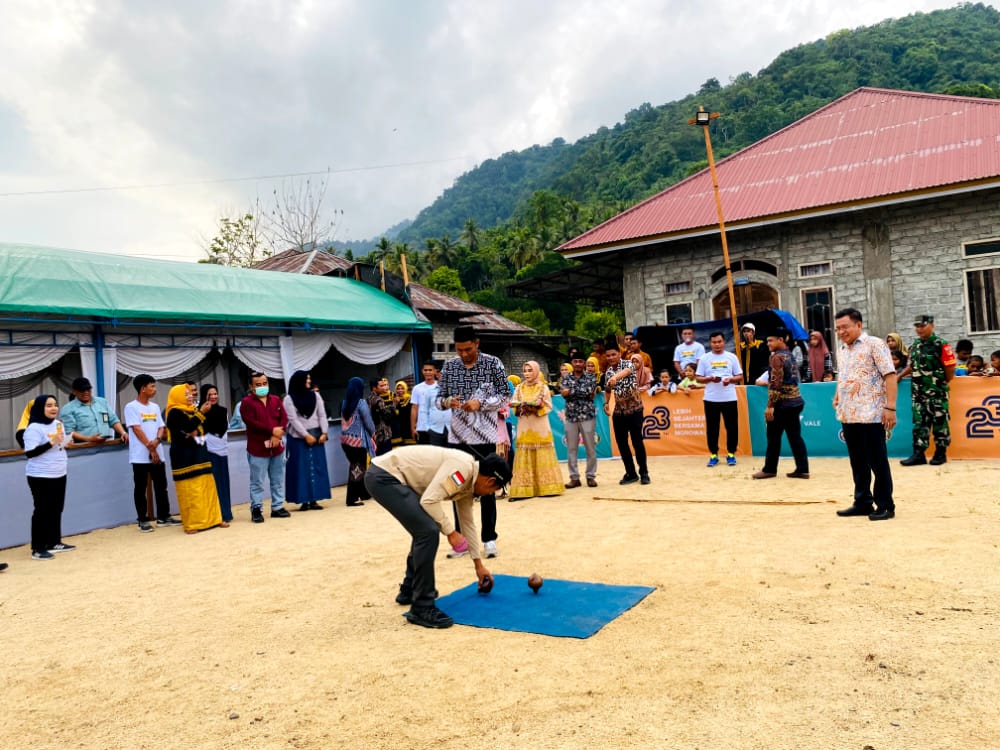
point(923, 319)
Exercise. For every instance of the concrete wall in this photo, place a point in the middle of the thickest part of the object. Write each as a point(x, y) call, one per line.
point(891, 263)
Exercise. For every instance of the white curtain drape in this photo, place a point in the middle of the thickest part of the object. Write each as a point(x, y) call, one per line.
point(32, 352)
point(109, 360)
point(160, 356)
point(268, 361)
point(368, 348)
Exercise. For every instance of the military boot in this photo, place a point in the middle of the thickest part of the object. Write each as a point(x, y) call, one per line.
point(940, 456)
point(917, 459)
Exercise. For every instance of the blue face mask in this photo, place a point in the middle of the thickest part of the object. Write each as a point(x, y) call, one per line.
point(262, 391)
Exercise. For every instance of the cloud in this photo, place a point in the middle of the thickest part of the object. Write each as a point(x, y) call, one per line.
point(141, 93)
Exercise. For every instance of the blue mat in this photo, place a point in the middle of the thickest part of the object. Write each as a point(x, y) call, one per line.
point(566, 609)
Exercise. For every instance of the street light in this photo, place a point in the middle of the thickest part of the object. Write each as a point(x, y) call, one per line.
point(703, 118)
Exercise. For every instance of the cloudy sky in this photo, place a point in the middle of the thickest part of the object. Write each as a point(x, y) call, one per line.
point(132, 126)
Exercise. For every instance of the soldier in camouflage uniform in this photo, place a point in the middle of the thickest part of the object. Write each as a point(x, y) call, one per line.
point(932, 366)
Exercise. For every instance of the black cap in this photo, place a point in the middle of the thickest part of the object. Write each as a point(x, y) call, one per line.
point(575, 353)
point(494, 466)
point(81, 384)
point(923, 319)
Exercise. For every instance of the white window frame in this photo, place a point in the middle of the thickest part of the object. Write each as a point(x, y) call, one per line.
point(668, 284)
point(816, 275)
point(965, 246)
point(965, 295)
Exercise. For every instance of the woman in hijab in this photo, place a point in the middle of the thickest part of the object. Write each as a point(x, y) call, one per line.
point(820, 359)
point(895, 342)
point(401, 433)
point(536, 468)
point(307, 478)
point(45, 442)
point(217, 442)
point(643, 375)
point(190, 464)
point(357, 439)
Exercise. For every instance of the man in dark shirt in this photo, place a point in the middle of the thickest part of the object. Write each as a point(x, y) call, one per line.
point(579, 389)
point(627, 420)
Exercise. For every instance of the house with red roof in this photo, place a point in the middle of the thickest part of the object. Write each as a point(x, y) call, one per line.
point(888, 201)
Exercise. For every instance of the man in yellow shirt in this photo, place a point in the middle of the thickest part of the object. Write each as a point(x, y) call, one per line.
point(418, 484)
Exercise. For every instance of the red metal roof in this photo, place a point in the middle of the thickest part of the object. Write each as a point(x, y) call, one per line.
point(870, 146)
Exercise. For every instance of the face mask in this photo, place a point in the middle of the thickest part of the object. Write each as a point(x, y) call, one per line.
point(262, 391)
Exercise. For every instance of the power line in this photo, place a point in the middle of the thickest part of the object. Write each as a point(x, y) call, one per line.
point(190, 183)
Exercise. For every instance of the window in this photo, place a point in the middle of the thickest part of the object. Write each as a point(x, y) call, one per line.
point(679, 287)
point(808, 270)
point(679, 313)
point(817, 312)
point(972, 249)
point(983, 293)
point(738, 266)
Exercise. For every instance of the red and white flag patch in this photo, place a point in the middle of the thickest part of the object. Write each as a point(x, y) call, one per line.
point(458, 479)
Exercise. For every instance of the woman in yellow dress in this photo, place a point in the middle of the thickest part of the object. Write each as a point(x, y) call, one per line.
point(189, 461)
point(536, 469)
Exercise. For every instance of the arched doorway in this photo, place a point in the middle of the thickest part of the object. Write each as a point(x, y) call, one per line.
point(752, 297)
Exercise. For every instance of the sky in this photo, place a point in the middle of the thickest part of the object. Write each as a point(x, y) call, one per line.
point(132, 126)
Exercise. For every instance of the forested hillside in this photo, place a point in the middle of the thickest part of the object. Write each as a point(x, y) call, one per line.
point(948, 51)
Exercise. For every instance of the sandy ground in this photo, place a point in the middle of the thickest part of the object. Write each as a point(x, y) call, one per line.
point(775, 624)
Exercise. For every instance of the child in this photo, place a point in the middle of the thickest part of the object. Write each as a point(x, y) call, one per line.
point(663, 385)
point(976, 366)
point(689, 382)
point(994, 369)
point(963, 350)
point(899, 361)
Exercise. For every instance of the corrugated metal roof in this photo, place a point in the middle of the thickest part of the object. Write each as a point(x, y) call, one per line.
point(425, 298)
point(866, 147)
point(292, 261)
point(494, 322)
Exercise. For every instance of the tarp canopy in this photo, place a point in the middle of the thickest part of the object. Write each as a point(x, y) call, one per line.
point(71, 283)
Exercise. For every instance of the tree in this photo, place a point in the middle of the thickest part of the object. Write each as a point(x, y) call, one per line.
point(238, 242)
point(446, 280)
point(298, 218)
point(593, 324)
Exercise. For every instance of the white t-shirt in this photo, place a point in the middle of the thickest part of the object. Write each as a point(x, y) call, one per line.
point(52, 463)
point(429, 417)
point(688, 354)
point(724, 365)
point(150, 418)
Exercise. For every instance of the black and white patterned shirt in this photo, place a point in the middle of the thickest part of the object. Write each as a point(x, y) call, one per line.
point(627, 398)
point(486, 382)
point(580, 401)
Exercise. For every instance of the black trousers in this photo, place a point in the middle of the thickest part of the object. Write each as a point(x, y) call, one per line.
point(487, 503)
point(404, 504)
point(159, 474)
point(357, 462)
point(786, 421)
point(630, 426)
point(49, 495)
point(730, 415)
point(868, 453)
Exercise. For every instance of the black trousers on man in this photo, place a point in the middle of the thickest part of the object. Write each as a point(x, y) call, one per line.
point(730, 415)
point(404, 504)
point(866, 447)
point(487, 503)
point(159, 474)
point(786, 421)
point(630, 426)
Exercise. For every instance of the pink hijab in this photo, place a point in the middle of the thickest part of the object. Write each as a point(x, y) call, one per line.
point(817, 356)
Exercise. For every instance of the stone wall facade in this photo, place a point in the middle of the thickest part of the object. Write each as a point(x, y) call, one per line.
point(892, 263)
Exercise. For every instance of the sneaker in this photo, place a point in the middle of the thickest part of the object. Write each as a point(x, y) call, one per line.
point(429, 617)
point(713, 460)
point(42, 555)
point(491, 549)
point(280, 513)
point(405, 595)
point(629, 479)
point(730, 459)
point(62, 547)
point(168, 521)
point(145, 527)
point(454, 554)
point(257, 515)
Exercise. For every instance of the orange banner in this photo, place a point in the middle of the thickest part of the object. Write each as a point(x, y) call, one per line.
point(974, 405)
point(674, 425)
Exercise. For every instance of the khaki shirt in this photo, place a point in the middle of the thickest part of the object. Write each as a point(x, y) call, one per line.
point(440, 476)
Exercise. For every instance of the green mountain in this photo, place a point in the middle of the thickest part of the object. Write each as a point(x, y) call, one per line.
point(955, 51)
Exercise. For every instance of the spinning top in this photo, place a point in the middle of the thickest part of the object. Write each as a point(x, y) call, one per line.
point(535, 582)
point(487, 585)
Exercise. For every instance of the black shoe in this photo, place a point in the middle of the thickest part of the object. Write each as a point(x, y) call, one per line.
point(257, 515)
point(644, 479)
point(356, 504)
point(168, 521)
point(280, 513)
point(3, 566)
point(429, 617)
point(315, 506)
point(405, 595)
point(917, 459)
point(940, 457)
point(882, 515)
point(304, 506)
point(855, 511)
point(629, 479)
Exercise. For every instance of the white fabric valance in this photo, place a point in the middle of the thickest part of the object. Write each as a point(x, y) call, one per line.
point(32, 352)
point(259, 353)
point(160, 356)
point(368, 348)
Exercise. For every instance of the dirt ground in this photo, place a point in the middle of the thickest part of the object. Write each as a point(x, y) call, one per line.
point(774, 624)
